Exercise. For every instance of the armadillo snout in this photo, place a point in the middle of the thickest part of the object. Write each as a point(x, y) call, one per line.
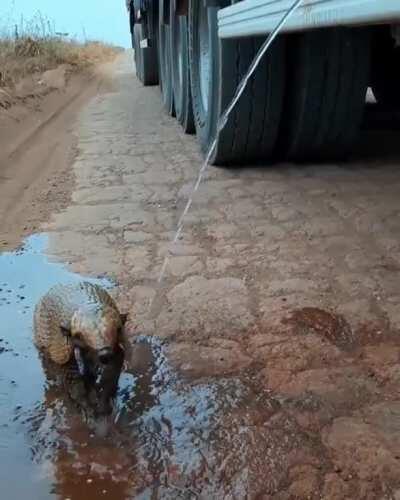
point(105, 355)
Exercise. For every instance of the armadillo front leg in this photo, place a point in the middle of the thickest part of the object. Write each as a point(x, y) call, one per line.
point(79, 361)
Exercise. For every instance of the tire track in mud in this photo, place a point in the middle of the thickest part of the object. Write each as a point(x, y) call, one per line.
point(35, 159)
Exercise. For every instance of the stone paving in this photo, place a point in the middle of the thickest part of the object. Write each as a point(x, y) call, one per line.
point(288, 272)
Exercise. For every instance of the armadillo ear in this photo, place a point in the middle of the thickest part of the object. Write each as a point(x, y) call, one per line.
point(65, 330)
point(124, 318)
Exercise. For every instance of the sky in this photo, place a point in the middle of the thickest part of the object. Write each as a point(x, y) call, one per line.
point(104, 20)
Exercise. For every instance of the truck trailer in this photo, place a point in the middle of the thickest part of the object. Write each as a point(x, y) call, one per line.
point(306, 99)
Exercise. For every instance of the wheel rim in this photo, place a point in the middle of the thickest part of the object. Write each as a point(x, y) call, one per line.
point(205, 57)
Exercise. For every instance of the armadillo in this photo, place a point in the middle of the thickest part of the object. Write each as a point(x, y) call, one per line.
point(80, 315)
point(80, 322)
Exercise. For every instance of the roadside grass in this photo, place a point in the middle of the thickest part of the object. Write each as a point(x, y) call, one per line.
point(34, 47)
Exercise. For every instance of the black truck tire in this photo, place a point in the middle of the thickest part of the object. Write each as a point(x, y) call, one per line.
point(180, 70)
point(385, 71)
point(136, 54)
point(252, 129)
point(327, 80)
point(164, 60)
point(132, 24)
point(145, 60)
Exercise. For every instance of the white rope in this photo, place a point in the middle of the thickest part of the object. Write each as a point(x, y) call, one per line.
point(223, 121)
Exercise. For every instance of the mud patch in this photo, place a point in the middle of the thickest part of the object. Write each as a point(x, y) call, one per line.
point(331, 326)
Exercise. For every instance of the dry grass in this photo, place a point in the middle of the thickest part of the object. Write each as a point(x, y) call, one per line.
point(28, 55)
point(34, 48)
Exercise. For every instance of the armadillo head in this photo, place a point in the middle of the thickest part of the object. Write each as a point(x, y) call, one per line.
point(98, 330)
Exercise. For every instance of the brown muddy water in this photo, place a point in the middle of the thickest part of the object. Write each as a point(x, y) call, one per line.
point(168, 437)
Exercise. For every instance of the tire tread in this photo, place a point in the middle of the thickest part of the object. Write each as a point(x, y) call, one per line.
point(329, 72)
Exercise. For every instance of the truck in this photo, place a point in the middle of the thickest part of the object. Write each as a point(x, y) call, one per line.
point(307, 97)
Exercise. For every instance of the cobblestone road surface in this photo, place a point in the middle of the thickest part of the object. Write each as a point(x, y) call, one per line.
point(285, 278)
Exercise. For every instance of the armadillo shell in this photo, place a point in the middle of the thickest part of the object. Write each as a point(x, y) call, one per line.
point(56, 308)
point(47, 331)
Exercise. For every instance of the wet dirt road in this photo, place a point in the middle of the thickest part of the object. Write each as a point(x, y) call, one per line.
point(267, 366)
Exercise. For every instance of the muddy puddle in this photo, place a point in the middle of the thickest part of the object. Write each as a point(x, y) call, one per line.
point(24, 405)
point(168, 437)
